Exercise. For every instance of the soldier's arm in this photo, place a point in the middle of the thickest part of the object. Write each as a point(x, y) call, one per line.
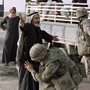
point(47, 73)
point(87, 30)
point(86, 27)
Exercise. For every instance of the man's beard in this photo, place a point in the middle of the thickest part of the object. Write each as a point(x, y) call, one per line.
point(37, 24)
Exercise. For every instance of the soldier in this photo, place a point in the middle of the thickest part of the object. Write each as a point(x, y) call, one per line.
point(84, 38)
point(56, 68)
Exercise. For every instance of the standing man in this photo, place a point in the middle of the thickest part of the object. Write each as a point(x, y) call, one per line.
point(31, 34)
point(57, 72)
point(84, 38)
point(10, 25)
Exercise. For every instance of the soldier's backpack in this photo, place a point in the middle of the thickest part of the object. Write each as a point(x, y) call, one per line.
point(72, 74)
point(64, 83)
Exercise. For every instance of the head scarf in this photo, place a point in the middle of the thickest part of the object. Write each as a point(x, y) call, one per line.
point(31, 15)
point(10, 12)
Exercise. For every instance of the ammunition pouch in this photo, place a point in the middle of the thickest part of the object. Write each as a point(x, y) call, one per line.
point(65, 82)
point(83, 48)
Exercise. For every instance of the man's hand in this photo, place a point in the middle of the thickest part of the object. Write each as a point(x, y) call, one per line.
point(21, 22)
point(28, 66)
point(55, 38)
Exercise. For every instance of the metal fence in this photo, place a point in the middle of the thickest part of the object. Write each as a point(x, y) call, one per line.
point(56, 12)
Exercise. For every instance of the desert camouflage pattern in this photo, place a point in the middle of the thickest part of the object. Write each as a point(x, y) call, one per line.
point(85, 36)
point(56, 64)
point(81, 12)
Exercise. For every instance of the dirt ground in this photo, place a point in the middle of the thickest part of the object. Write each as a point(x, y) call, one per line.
point(8, 77)
point(8, 74)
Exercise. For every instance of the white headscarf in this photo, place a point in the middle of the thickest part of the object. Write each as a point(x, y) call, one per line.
point(35, 22)
point(31, 15)
point(11, 15)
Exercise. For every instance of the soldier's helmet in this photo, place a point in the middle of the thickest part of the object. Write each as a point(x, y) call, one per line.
point(81, 12)
point(38, 51)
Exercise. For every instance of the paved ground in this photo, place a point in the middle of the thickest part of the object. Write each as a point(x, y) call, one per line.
point(8, 74)
point(9, 77)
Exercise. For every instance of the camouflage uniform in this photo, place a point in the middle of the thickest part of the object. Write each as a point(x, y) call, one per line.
point(85, 36)
point(55, 64)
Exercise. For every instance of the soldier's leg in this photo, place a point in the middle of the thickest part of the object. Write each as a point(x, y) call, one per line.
point(88, 72)
point(86, 61)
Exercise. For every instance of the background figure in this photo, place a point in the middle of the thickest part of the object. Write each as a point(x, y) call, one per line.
point(49, 0)
point(50, 3)
point(56, 68)
point(80, 1)
point(31, 34)
point(84, 38)
point(10, 25)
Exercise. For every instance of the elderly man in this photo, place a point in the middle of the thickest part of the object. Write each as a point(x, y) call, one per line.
point(31, 34)
point(57, 71)
point(84, 38)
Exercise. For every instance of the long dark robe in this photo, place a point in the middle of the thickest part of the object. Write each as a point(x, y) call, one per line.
point(30, 36)
point(11, 38)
